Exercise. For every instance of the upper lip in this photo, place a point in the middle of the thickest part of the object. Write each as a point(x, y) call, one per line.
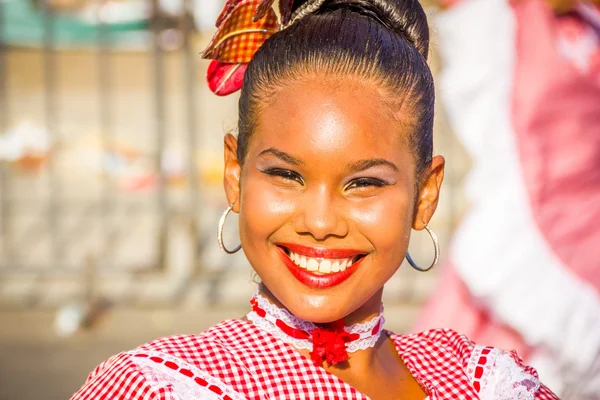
point(321, 252)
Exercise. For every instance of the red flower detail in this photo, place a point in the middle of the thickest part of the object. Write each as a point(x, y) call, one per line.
point(329, 343)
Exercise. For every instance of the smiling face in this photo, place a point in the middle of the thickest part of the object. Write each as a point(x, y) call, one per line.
point(326, 197)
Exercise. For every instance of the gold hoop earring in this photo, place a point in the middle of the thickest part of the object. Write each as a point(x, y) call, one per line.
point(436, 247)
point(220, 232)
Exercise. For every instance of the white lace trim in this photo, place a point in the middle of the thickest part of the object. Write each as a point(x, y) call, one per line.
point(269, 327)
point(502, 378)
point(366, 340)
point(282, 314)
point(182, 385)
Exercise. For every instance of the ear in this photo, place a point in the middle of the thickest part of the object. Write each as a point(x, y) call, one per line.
point(429, 192)
point(233, 168)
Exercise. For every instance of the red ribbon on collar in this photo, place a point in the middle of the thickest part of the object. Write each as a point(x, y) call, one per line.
point(329, 343)
point(329, 340)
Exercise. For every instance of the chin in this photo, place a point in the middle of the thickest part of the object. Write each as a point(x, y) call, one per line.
point(317, 316)
point(318, 308)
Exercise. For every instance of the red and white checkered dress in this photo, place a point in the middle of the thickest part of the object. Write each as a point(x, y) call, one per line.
point(237, 360)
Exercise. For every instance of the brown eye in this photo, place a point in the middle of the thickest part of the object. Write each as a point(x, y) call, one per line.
point(285, 174)
point(365, 183)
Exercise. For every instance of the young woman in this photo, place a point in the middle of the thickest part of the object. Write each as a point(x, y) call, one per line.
point(331, 169)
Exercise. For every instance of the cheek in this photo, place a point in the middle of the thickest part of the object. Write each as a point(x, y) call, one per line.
point(263, 210)
point(386, 223)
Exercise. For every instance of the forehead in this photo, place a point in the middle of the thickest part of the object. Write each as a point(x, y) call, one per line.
point(321, 115)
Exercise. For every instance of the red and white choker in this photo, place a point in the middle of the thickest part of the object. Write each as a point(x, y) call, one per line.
point(327, 342)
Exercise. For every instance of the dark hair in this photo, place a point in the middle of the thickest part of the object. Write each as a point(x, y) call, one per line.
point(382, 41)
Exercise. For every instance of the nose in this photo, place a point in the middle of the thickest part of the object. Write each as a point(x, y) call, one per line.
point(320, 215)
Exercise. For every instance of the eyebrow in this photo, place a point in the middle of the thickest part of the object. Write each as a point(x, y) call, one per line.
point(362, 165)
point(282, 155)
point(357, 166)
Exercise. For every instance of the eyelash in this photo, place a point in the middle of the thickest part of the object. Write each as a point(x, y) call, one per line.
point(285, 174)
point(356, 183)
point(365, 182)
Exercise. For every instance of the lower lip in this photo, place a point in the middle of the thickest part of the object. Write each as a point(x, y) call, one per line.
point(317, 281)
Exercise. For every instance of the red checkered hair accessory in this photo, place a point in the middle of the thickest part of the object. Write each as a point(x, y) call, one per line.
point(242, 27)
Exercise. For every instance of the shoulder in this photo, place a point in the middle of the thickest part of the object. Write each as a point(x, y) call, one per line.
point(450, 359)
point(201, 366)
point(118, 378)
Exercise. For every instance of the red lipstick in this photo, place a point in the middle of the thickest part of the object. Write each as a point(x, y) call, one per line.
point(319, 281)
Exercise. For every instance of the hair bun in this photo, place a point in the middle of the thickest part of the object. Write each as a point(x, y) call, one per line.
point(404, 17)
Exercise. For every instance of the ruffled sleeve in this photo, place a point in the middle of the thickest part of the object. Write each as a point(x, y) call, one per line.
point(447, 363)
point(500, 375)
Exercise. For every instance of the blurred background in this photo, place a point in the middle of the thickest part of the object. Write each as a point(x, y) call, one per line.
point(111, 188)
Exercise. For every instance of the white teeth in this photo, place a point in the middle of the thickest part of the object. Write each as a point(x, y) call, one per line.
point(325, 266)
point(335, 267)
